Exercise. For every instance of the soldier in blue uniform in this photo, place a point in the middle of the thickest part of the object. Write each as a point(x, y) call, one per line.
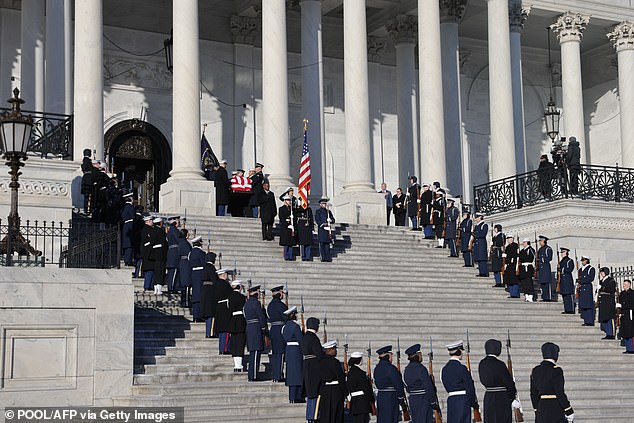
point(332, 386)
point(480, 231)
point(184, 271)
point(360, 388)
point(466, 229)
point(292, 334)
point(497, 252)
point(222, 317)
point(389, 382)
point(544, 257)
point(607, 303)
point(172, 252)
point(451, 227)
point(500, 387)
point(324, 220)
point(458, 383)
point(287, 228)
point(237, 324)
point(527, 270)
point(147, 264)
point(423, 399)
point(549, 400)
point(127, 221)
point(196, 265)
point(587, 273)
point(256, 330)
point(510, 256)
point(566, 281)
point(275, 311)
point(312, 352)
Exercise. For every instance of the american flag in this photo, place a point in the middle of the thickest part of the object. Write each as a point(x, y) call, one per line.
point(304, 170)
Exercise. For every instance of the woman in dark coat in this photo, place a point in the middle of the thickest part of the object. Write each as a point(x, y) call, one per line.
point(304, 230)
point(398, 207)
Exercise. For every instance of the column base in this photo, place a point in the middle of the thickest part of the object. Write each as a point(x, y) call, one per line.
point(367, 208)
point(197, 196)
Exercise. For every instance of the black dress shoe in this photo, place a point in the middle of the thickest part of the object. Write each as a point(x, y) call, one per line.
point(628, 352)
point(608, 337)
point(587, 324)
point(497, 286)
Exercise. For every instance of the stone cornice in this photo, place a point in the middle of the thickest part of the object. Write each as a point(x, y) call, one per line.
point(622, 36)
point(518, 13)
point(244, 29)
point(570, 26)
point(452, 11)
point(403, 29)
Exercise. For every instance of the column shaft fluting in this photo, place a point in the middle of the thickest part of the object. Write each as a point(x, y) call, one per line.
point(32, 54)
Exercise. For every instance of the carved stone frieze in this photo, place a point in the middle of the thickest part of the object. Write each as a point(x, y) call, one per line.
point(622, 36)
point(452, 11)
point(403, 29)
point(136, 147)
point(38, 187)
point(136, 72)
point(570, 26)
point(244, 29)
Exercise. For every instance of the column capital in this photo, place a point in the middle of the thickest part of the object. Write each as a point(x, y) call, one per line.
point(452, 11)
point(518, 13)
point(403, 29)
point(244, 29)
point(376, 47)
point(622, 36)
point(570, 26)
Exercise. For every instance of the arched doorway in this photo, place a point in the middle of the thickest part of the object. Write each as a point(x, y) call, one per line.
point(140, 155)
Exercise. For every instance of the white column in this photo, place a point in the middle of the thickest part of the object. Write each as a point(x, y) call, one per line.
point(68, 57)
point(358, 202)
point(569, 28)
point(55, 89)
point(517, 17)
point(312, 98)
point(186, 188)
point(88, 90)
point(403, 29)
point(622, 36)
point(275, 94)
point(32, 54)
point(500, 91)
point(432, 125)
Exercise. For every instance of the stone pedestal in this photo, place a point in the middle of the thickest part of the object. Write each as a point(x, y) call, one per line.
point(366, 208)
point(198, 197)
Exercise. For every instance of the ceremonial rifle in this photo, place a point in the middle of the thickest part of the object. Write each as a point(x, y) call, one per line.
point(418, 203)
point(369, 374)
point(208, 240)
point(578, 277)
point(345, 363)
point(220, 260)
point(617, 321)
point(517, 265)
point(404, 406)
point(325, 325)
point(504, 258)
point(519, 416)
point(472, 238)
point(437, 414)
point(444, 223)
point(267, 339)
point(536, 257)
point(476, 411)
point(302, 314)
point(558, 270)
point(286, 293)
point(292, 225)
point(185, 219)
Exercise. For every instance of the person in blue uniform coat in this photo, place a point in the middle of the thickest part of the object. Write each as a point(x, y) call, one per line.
point(527, 270)
point(466, 229)
point(256, 330)
point(566, 281)
point(498, 382)
point(237, 324)
point(480, 231)
point(607, 303)
point(127, 221)
point(423, 399)
point(451, 228)
point(196, 265)
point(312, 352)
point(277, 318)
point(332, 386)
point(587, 273)
point(544, 257)
point(287, 227)
point(292, 334)
point(147, 263)
point(360, 388)
point(172, 252)
point(497, 253)
point(548, 397)
point(324, 220)
point(390, 385)
point(458, 383)
point(184, 271)
point(222, 316)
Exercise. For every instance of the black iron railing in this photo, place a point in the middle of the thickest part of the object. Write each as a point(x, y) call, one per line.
point(621, 273)
point(52, 135)
point(607, 183)
point(76, 245)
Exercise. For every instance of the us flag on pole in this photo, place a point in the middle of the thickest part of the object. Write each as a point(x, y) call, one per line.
point(304, 170)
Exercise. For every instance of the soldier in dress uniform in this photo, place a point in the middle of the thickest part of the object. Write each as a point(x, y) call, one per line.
point(312, 352)
point(451, 228)
point(361, 393)
point(511, 255)
point(324, 220)
point(147, 263)
point(257, 180)
point(304, 230)
point(544, 257)
point(413, 201)
point(222, 318)
point(268, 210)
point(287, 228)
point(137, 227)
point(458, 383)
point(500, 387)
point(332, 386)
point(607, 303)
point(184, 271)
point(438, 206)
point(256, 330)
point(237, 324)
point(423, 399)
point(290, 191)
point(466, 229)
point(587, 273)
point(480, 231)
point(292, 334)
point(497, 250)
point(207, 298)
point(389, 382)
point(527, 270)
point(549, 400)
point(277, 318)
point(158, 253)
point(127, 223)
point(173, 257)
point(566, 281)
point(426, 211)
point(196, 265)
point(626, 304)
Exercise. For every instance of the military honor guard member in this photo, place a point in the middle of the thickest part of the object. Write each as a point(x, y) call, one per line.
point(184, 271)
point(466, 231)
point(527, 270)
point(566, 281)
point(256, 330)
point(587, 273)
point(127, 223)
point(497, 252)
point(511, 256)
point(332, 386)
point(544, 257)
point(607, 303)
point(361, 392)
point(423, 399)
point(480, 231)
point(426, 211)
point(413, 201)
point(158, 253)
point(500, 387)
point(390, 385)
point(292, 334)
point(147, 263)
point(324, 220)
point(549, 400)
point(291, 193)
point(451, 227)
point(287, 228)
point(304, 230)
point(458, 383)
point(207, 298)
point(268, 210)
point(312, 352)
point(277, 318)
point(173, 257)
point(196, 265)
point(626, 306)
point(237, 324)
point(438, 206)
point(222, 318)
point(222, 184)
point(257, 186)
point(399, 207)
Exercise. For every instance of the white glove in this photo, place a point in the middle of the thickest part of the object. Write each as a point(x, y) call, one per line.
point(571, 417)
point(516, 404)
point(407, 195)
point(418, 201)
point(618, 305)
point(503, 255)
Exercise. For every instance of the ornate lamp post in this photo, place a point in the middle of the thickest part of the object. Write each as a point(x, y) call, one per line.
point(15, 134)
point(168, 44)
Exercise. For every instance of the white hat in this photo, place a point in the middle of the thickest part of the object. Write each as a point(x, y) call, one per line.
point(221, 271)
point(223, 161)
point(130, 194)
point(236, 283)
point(234, 172)
point(146, 218)
point(291, 310)
point(157, 219)
point(286, 197)
point(329, 344)
point(585, 257)
point(356, 354)
point(198, 238)
point(458, 345)
point(526, 240)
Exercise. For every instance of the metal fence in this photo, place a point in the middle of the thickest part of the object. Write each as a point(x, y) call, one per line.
point(622, 273)
point(607, 183)
point(75, 245)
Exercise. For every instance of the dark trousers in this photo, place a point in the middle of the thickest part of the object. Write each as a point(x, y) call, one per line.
point(546, 290)
point(483, 268)
point(128, 256)
point(629, 344)
point(185, 297)
point(172, 272)
point(254, 364)
point(196, 310)
point(277, 362)
point(414, 221)
point(267, 231)
point(399, 219)
point(221, 209)
point(574, 181)
point(389, 212)
point(587, 314)
point(324, 251)
point(514, 291)
point(608, 327)
point(224, 342)
point(306, 253)
point(255, 211)
point(295, 393)
point(137, 268)
point(468, 258)
point(452, 247)
point(569, 303)
point(498, 278)
point(148, 276)
point(288, 253)
point(361, 418)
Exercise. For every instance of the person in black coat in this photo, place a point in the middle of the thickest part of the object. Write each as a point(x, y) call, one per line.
point(526, 259)
point(324, 220)
point(548, 397)
point(312, 351)
point(545, 174)
point(222, 290)
point(626, 303)
point(413, 201)
point(184, 279)
point(426, 211)
point(268, 211)
point(510, 257)
point(361, 392)
point(147, 263)
point(500, 387)
point(127, 226)
point(287, 228)
point(466, 232)
point(304, 230)
point(158, 254)
point(573, 162)
point(221, 182)
point(207, 297)
point(257, 186)
point(451, 227)
point(332, 386)
point(237, 325)
point(607, 303)
point(497, 250)
point(399, 208)
point(438, 207)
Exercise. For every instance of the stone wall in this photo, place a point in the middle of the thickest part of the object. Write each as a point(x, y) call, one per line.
point(66, 336)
